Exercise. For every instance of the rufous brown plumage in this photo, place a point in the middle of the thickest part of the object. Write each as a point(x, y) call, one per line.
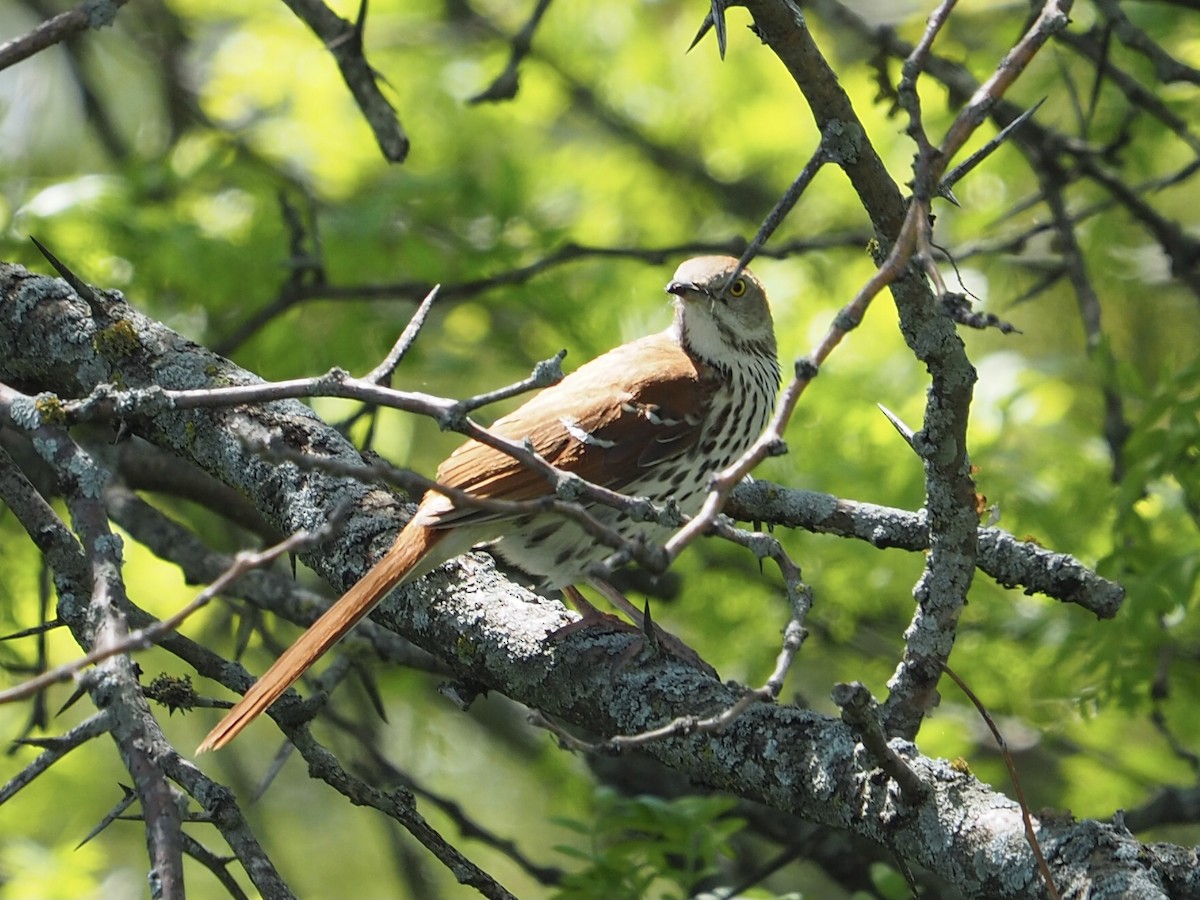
point(654, 418)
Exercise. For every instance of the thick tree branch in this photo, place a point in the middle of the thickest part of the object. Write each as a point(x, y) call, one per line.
point(1011, 562)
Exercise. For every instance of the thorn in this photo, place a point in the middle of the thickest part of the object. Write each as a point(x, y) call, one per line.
point(123, 804)
point(985, 151)
point(78, 285)
point(35, 630)
point(704, 27)
point(648, 628)
point(904, 430)
point(79, 691)
point(946, 193)
point(715, 17)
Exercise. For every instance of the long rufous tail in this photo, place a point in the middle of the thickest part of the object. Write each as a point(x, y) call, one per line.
point(412, 545)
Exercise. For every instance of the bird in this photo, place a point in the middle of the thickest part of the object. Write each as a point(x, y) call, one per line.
point(656, 417)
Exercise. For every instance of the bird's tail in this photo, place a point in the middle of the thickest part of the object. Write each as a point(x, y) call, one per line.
point(400, 563)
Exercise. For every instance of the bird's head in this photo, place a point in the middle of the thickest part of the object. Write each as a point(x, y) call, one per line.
point(716, 317)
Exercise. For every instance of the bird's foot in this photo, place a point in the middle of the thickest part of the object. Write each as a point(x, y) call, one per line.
point(651, 638)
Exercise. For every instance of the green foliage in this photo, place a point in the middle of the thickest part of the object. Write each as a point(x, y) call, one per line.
point(647, 848)
point(1156, 543)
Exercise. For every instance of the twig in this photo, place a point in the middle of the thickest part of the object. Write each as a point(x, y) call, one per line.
point(56, 748)
point(564, 255)
point(415, 484)
point(1166, 67)
point(1030, 833)
point(59, 28)
point(382, 373)
point(861, 712)
point(823, 154)
point(504, 87)
point(146, 637)
point(344, 41)
point(383, 770)
point(398, 804)
point(217, 865)
point(263, 588)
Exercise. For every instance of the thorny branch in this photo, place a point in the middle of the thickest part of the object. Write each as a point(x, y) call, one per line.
point(915, 243)
point(344, 41)
point(97, 620)
point(144, 638)
point(504, 86)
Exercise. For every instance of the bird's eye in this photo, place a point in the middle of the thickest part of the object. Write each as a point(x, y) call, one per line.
point(738, 288)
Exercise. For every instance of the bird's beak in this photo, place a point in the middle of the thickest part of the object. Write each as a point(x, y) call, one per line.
point(683, 288)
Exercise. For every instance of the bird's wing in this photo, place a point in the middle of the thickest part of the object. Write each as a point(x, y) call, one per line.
point(635, 407)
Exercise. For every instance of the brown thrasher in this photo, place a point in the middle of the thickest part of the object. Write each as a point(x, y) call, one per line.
point(653, 418)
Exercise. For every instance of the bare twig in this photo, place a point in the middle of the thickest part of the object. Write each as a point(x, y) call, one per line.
point(823, 154)
point(399, 804)
point(382, 373)
point(1166, 67)
point(382, 771)
point(146, 637)
point(504, 87)
point(217, 865)
point(1030, 832)
point(344, 40)
point(568, 253)
point(59, 28)
point(56, 748)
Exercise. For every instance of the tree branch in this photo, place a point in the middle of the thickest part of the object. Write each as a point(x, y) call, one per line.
point(494, 633)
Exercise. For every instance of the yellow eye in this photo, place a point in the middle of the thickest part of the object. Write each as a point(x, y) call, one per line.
point(738, 288)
